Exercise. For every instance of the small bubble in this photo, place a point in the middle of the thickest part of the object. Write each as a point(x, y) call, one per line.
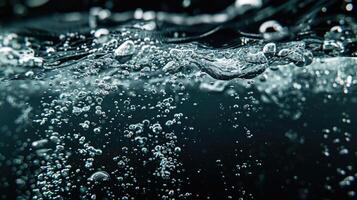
point(99, 176)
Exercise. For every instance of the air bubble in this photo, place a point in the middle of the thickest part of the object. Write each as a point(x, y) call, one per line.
point(99, 176)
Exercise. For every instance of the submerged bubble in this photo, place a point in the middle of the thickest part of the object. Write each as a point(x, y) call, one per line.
point(125, 49)
point(101, 32)
point(248, 3)
point(269, 49)
point(186, 3)
point(171, 66)
point(99, 176)
point(272, 30)
point(39, 143)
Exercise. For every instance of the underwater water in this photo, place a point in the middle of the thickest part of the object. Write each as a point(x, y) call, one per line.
point(244, 103)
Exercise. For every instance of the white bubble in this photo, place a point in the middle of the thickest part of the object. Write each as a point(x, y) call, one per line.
point(39, 143)
point(99, 176)
point(125, 49)
point(101, 32)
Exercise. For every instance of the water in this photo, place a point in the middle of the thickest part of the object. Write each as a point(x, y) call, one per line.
point(156, 105)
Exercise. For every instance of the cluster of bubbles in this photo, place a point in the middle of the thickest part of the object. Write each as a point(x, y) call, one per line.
point(116, 93)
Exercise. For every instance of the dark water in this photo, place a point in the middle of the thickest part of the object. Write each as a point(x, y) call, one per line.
point(243, 103)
